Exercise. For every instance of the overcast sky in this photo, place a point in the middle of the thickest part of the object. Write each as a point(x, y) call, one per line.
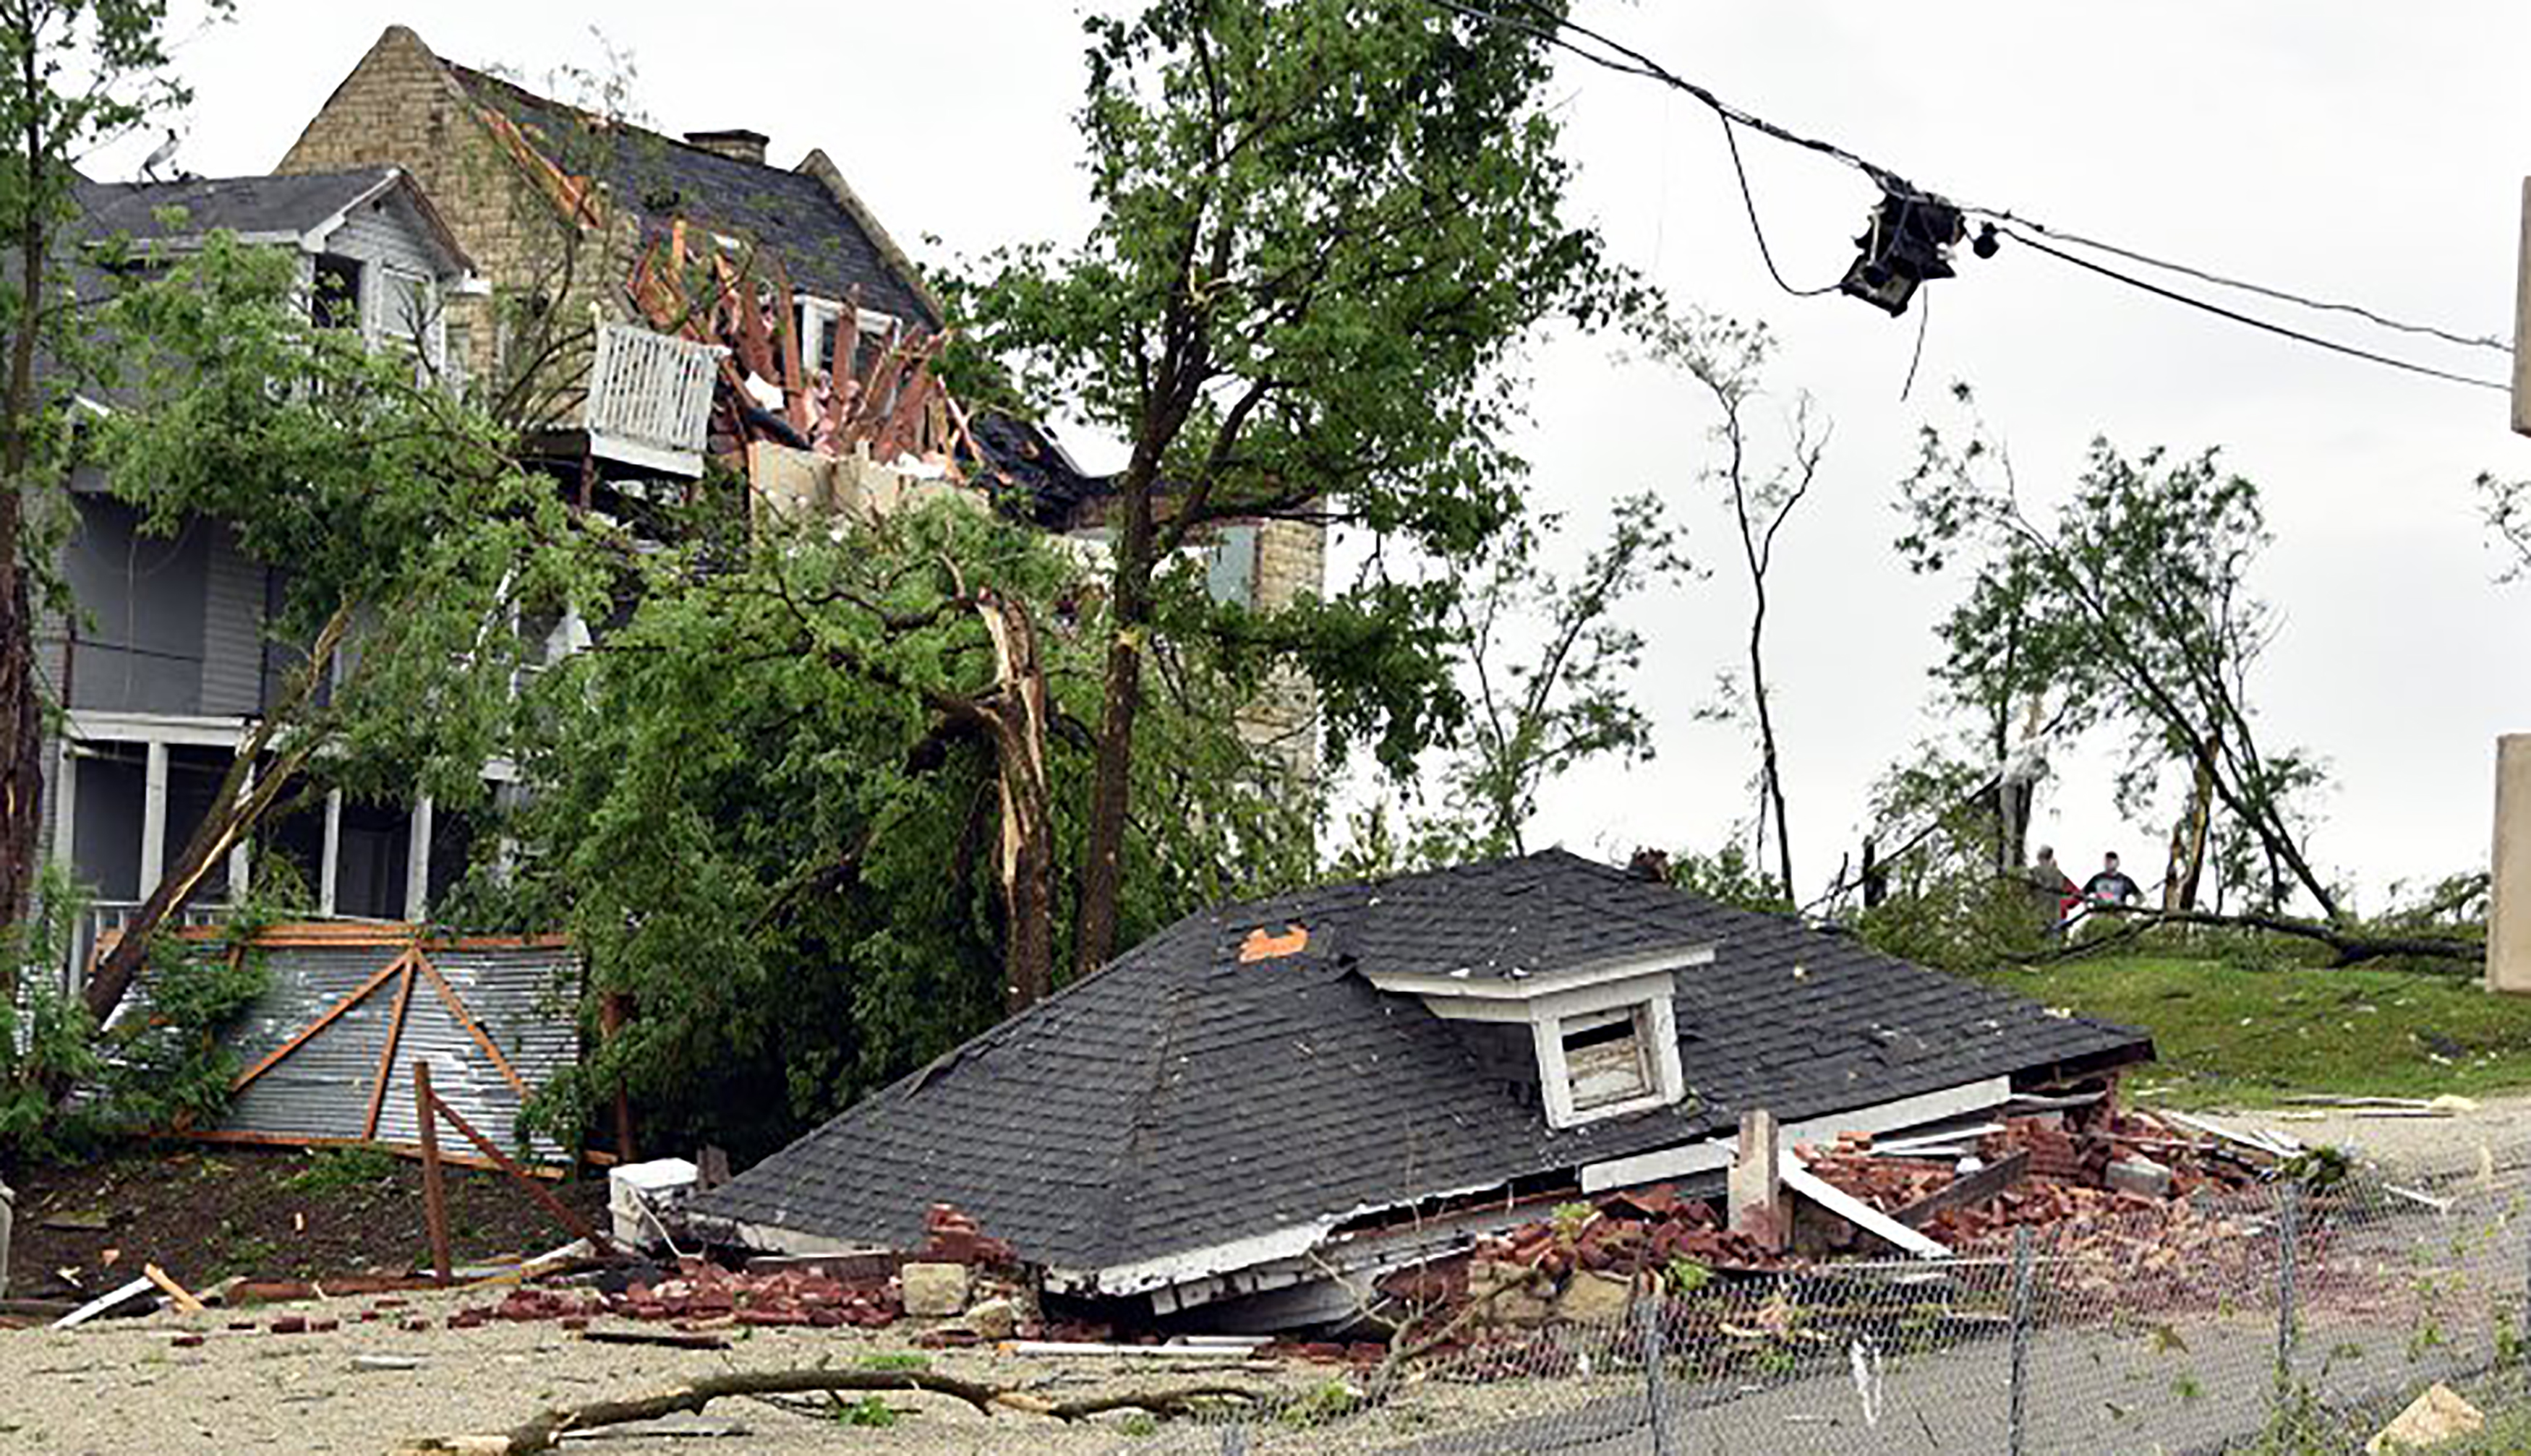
point(2338, 149)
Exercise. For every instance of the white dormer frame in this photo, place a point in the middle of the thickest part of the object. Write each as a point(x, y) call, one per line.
point(1561, 1003)
point(815, 318)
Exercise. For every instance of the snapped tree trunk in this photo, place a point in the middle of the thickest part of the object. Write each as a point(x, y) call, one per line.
point(235, 810)
point(1015, 714)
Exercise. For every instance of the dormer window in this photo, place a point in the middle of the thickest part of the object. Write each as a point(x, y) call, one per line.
point(1604, 1033)
point(1605, 1060)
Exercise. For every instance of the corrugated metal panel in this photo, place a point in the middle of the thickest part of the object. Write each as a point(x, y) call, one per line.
point(520, 996)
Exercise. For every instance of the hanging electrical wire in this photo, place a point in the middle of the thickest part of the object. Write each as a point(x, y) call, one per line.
point(1758, 228)
point(1564, 34)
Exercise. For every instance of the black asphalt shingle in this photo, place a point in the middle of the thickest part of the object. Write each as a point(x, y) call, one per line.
point(1179, 1098)
point(825, 249)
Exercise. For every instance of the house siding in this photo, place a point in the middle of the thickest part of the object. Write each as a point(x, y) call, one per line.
point(233, 600)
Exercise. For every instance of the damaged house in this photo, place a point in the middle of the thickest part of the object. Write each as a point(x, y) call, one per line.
point(1250, 1116)
point(817, 332)
point(167, 658)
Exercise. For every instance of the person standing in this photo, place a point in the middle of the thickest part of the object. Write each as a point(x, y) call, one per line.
point(2052, 890)
point(2111, 886)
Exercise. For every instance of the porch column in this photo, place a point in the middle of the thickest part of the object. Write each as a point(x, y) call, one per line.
point(325, 872)
point(65, 801)
point(241, 858)
point(417, 863)
point(153, 819)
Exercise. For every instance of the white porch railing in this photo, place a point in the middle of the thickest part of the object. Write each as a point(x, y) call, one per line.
point(650, 399)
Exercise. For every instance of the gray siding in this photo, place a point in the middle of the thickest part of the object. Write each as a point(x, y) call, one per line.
point(387, 234)
point(139, 647)
point(232, 630)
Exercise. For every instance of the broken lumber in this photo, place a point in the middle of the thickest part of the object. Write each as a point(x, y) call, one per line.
point(668, 1338)
point(1828, 1196)
point(545, 1432)
point(104, 1302)
point(1966, 1190)
point(183, 1297)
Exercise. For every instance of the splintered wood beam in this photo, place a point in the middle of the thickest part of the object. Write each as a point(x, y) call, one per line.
point(897, 434)
point(332, 1013)
point(1967, 1189)
point(786, 338)
point(843, 385)
point(435, 1184)
point(753, 338)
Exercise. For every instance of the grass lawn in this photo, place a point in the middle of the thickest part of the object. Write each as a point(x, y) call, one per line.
point(2240, 1035)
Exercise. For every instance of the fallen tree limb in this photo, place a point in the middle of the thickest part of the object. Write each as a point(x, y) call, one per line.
point(2348, 945)
point(545, 1432)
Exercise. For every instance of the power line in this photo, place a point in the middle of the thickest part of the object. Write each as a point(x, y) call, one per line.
point(2324, 306)
point(2258, 323)
point(1617, 56)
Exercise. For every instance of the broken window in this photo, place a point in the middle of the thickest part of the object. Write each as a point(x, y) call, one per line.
point(334, 300)
point(1606, 1058)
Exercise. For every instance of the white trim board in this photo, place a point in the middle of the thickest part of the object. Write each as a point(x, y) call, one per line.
point(1801, 1180)
point(1716, 1153)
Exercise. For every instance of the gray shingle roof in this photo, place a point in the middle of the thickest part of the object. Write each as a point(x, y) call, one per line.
point(824, 248)
point(1180, 1098)
point(279, 204)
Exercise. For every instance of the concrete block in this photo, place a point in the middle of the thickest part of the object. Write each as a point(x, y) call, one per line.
point(2432, 1419)
point(643, 1197)
point(933, 1290)
point(2141, 1176)
point(995, 1318)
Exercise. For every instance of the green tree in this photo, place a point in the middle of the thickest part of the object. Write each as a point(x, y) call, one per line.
point(73, 74)
point(1322, 227)
point(792, 813)
point(2144, 576)
point(405, 537)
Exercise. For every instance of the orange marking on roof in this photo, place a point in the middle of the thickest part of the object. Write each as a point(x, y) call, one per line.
point(1260, 946)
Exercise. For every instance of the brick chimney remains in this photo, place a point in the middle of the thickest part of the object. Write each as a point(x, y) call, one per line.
point(737, 143)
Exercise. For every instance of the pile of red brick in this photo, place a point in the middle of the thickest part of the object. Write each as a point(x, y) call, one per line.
point(2067, 1178)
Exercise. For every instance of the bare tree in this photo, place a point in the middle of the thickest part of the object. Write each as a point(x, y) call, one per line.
point(1727, 356)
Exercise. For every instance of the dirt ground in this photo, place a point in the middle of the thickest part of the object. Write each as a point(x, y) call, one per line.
point(124, 1386)
point(203, 1214)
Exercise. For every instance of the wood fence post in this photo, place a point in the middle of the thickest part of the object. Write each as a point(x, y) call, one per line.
point(434, 1191)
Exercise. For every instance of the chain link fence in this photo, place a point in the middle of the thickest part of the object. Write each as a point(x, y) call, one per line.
point(2283, 1320)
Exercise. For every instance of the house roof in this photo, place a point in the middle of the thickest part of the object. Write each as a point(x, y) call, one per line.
point(1027, 456)
point(1182, 1098)
point(299, 207)
point(825, 248)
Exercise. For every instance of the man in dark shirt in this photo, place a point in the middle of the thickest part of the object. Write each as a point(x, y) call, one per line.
point(2111, 886)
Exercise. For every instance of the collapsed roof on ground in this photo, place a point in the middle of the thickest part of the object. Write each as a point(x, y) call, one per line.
point(1202, 1119)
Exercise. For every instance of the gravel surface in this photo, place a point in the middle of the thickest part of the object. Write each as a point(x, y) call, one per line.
point(2434, 1145)
point(121, 1387)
